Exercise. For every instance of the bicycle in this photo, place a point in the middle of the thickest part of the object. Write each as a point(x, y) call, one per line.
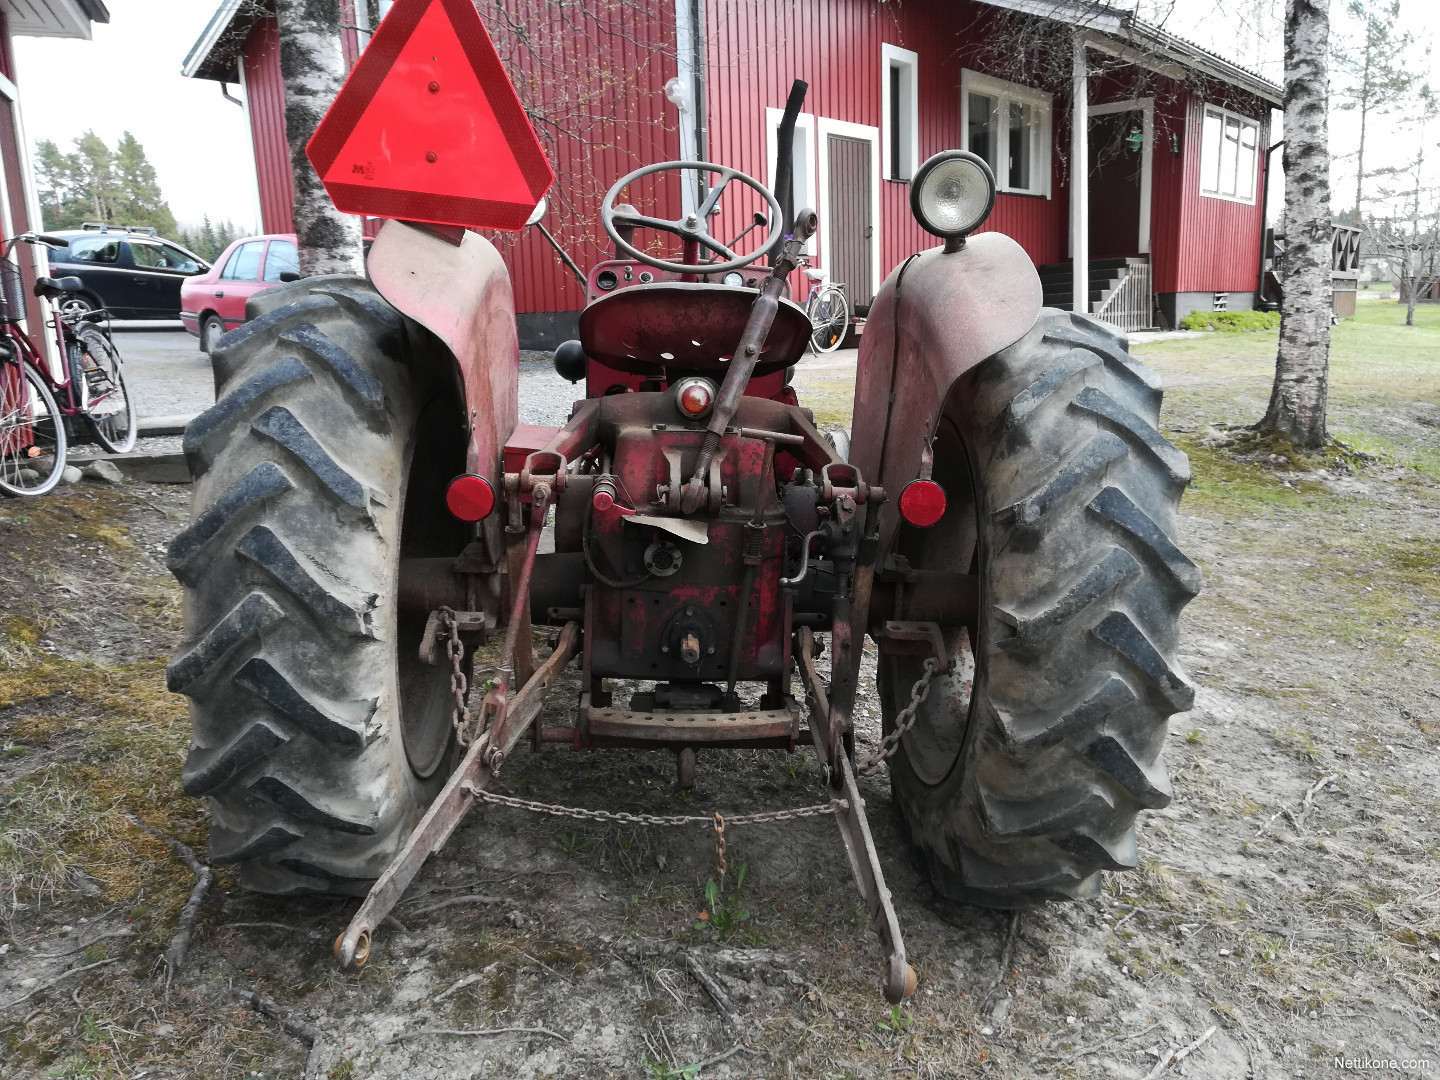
point(40, 414)
point(829, 311)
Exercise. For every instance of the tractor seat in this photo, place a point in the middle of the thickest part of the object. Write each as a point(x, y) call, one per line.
point(686, 326)
point(52, 287)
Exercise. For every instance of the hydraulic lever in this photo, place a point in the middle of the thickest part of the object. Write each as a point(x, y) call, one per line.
point(747, 355)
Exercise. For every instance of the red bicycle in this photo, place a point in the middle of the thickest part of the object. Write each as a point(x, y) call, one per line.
point(40, 413)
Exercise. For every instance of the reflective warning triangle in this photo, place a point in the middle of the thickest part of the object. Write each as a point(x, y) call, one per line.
point(429, 128)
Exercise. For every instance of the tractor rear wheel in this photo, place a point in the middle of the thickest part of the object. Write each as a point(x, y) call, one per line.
point(1030, 760)
point(318, 735)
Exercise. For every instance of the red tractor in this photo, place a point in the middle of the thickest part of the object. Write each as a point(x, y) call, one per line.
point(367, 510)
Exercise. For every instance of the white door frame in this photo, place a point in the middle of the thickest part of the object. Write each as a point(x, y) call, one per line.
point(828, 127)
point(1147, 156)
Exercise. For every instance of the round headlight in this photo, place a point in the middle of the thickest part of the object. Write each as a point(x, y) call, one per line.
point(952, 194)
point(733, 278)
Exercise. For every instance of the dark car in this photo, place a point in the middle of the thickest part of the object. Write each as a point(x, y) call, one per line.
point(130, 270)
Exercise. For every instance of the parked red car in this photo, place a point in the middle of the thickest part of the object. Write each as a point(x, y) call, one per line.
point(214, 302)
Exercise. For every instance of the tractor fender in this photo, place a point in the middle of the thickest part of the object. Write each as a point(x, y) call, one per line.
point(955, 310)
point(461, 293)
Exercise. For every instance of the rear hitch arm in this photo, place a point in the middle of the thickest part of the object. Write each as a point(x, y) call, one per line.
point(900, 979)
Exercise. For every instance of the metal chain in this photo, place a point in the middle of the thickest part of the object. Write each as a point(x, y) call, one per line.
point(459, 685)
point(904, 722)
point(715, 821)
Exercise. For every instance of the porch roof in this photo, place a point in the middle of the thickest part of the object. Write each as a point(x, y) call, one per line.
point(1101, 20)
point(53, 18)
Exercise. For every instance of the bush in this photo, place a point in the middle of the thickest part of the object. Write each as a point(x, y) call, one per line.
point(1231, 321)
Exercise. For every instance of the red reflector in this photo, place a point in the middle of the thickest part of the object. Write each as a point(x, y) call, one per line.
point(470, 498)
point(922, 503)
point(695, 398)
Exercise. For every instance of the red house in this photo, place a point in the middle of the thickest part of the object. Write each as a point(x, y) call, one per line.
point(1166, 218)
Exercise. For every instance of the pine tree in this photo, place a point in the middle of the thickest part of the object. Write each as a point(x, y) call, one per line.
point(96, 177)
point(209, 246)
point(56, 181)
point(139, 200)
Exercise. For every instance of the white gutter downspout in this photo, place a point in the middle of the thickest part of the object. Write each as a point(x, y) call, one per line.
point(684, 99)
point(1080, 179)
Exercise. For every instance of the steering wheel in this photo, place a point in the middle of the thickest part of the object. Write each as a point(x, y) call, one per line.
point(693, 228)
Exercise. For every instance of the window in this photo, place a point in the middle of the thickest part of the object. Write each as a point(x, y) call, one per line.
point(282, 257)
point(1229, 155)
point(94, 249)
point(901, 111)
point(162, 257)
point(1009, 126)
point(244, 264)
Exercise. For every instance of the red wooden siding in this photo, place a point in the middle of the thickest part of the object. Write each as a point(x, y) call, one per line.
point(1218, 244)
point(758, 47)
point(597, 83)
point(265, 90)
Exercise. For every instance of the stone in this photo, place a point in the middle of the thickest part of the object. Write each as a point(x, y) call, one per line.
point(105, 472)
point(71, 475)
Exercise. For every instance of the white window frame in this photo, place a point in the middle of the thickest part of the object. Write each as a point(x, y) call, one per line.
point(1008, 93)
point(1147, 156)
point(1227, 114)
point(805, 154)
point(828, 127)
point(892, 56)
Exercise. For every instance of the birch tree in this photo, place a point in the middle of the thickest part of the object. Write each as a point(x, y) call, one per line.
point(1302, 362)
point(314, 70)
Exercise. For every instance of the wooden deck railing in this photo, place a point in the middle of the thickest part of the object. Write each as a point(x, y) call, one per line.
point(1129, 305)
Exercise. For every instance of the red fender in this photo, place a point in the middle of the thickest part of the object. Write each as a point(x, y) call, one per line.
point(461, 293)
point(956, 309)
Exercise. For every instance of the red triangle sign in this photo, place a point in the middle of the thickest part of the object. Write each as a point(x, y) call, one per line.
point(429, 128)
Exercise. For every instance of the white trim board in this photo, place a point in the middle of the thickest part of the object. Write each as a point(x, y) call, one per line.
point(1147, 157)
point(845, 129)
point(894, 56)
point(804, 175)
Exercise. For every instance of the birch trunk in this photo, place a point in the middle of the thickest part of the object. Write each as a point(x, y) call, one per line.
point(1302, 363)
point(314, 69)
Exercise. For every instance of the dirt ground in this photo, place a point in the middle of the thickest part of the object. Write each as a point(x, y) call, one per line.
point(1289, 897)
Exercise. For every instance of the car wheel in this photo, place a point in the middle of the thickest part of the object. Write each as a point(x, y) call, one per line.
point(212, 328)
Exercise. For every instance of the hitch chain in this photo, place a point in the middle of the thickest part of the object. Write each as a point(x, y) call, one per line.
point(715, 821)
point(459, 685)
point(869, 766)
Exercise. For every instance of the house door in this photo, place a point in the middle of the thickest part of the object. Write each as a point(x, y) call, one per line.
point(851, 231)
point(1117, 157)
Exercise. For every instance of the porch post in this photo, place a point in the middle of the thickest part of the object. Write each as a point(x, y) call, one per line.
point(1080, 178)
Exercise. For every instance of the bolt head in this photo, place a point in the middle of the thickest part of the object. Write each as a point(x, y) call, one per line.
point(432, 157)
point(434, 88)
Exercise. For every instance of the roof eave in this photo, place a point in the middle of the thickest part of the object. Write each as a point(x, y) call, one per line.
point(1154, 39)
point(216, 51)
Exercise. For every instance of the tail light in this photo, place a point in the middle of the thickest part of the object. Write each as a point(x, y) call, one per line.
point(694, 397)
point(922, 503)
point(470, 497)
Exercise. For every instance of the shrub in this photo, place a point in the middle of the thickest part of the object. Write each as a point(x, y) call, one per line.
point(1231, 321)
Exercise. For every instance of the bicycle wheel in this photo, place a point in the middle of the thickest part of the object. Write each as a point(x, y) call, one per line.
point(32, 432)
point(829, 319)
point(104, 396)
